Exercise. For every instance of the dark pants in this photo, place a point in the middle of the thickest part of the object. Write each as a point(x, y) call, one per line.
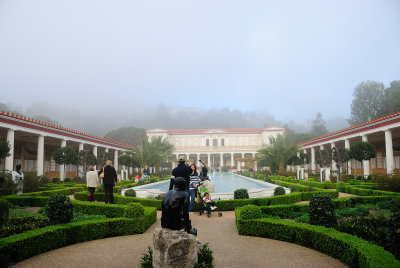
point(91, 194)
point(192, 193)
point(108, 193)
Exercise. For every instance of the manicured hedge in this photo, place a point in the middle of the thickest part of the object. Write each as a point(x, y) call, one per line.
point(21, 246)
point(350, 189)
point(349, 249)
point(4, 211)
point(109, 210)
point(284, 211)
point(123, 200)
point(65, 191)
point(26, 200)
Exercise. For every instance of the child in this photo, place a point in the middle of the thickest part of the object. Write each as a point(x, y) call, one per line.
point(137, 177)
point(207, 200)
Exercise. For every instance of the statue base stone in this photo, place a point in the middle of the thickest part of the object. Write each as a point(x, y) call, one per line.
point(174, 249)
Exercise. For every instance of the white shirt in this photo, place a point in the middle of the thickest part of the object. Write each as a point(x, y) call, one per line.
point(92, 179)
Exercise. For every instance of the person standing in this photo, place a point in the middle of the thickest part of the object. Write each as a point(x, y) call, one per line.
point(182, 171)
point(18, 179)
point(109, 180)
point(92, 182)
point(194, 184)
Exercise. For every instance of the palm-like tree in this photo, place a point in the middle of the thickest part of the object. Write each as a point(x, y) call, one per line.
point(153, 152)
point(281, 149)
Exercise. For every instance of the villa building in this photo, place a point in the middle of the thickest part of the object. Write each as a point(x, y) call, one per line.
point(383, 132)
point(218, 148)
point(33, 143)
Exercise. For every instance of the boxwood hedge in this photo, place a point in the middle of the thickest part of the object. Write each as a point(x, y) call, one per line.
point(21, 246)
point(349, 249)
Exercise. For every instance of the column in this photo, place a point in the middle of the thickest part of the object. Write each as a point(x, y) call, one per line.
point(106, 150)
point(9, 165)
point(209, 159)
point(40, 156)
point(255, 162)
point(389, 151)
point(221, 163)
point(232, 163)
point(305, 165)
point(313, 160)
point(347, 146)
point(334, 167)
point(198, 158)
point(95, 154)
point(62, 168)
point(116, 159)
point(366, 162)
point(80, 168)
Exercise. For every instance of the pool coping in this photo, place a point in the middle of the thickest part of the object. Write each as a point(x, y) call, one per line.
point(152, 193)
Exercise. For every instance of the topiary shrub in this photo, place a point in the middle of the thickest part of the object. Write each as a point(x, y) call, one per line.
point(130, 192)
point(267, 179)
point(279, 191)
point(134, 210)
point(67, 180)
point(55, 180)
point(204, 257)
point(240, 194)
point(249, 212)
point(153, 180)
point(4, 211)
point(322, 210)
point(59, 209)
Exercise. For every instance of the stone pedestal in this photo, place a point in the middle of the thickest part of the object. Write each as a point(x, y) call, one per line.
point(174, 249)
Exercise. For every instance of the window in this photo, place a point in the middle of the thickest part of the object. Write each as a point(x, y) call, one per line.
point(222, 142)
point(207, 142)
point(215, 142)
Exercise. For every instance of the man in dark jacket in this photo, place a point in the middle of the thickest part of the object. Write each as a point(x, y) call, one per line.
point(182, 171)
point(109, 180)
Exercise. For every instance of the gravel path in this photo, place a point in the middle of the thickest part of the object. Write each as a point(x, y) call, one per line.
point(230, 249)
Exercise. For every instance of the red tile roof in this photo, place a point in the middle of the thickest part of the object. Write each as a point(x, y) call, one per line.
point(228, 130)
point(352, 128)
point(50, 126)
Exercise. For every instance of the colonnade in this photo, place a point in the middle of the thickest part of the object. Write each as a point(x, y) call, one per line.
point(214, 155)
point(390, 165)
point(40, 158)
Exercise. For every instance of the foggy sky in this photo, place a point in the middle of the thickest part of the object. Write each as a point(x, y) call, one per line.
point(118, 59)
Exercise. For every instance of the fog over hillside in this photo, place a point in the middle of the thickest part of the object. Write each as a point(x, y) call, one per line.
point(99, 121)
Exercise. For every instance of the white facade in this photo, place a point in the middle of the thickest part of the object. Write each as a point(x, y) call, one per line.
point(218, 147)
point(33, 141)
point(383, 132)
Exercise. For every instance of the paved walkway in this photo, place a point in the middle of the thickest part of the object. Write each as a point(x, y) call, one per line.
point(230, 249)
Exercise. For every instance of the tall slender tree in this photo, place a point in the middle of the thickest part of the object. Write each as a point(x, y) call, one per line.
point(280, 150)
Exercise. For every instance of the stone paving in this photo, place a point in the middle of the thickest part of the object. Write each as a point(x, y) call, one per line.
point(230, 249)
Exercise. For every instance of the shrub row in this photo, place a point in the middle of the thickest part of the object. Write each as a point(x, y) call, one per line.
point(64, 191)
point(21, 246)
point(26, 200)
point(134, 210)
point(229, 205)
point(346, 188)
point(123, 200)
point(4, 211)
point(284, 211)
point(349, 249)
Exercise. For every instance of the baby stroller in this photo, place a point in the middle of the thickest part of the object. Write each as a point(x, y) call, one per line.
point(205, 205)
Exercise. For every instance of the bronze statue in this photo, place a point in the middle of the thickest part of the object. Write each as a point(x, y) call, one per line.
point(175, 214)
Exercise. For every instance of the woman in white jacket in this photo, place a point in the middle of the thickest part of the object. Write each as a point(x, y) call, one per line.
point(92, 182)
